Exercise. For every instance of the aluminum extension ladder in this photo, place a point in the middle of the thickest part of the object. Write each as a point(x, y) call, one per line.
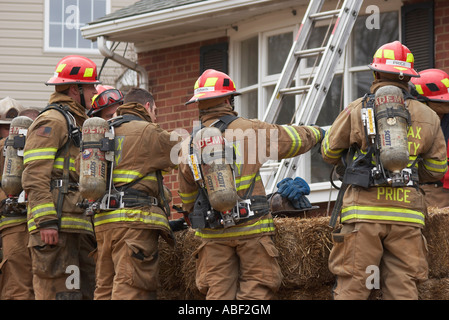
point(313, 94)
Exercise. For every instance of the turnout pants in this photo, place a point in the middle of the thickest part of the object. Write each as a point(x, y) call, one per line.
point(64, 271)
point(238, 269)
point(369, 256)
point(16, 276)
point(127, 264)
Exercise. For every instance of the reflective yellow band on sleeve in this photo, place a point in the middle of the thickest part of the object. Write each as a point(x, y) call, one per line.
point(39, 154)
point(296, 141)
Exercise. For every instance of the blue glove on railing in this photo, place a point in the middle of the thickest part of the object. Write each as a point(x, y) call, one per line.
point(293, 189)
point(302, 203)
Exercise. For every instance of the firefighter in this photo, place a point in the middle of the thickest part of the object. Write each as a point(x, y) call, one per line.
point(237, 258)
point(31, 112)
point(17, 280)
point(61, 237)
point(106, 102)
point(9, 109)
point(431, 88)
point(380, 243)
point(127, 231)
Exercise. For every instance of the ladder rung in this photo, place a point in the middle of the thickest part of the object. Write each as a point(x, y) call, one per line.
point(325, 14)
point(294, 90)
point(309, 52)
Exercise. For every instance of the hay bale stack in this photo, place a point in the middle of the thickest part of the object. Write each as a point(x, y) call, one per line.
point(434, 289)
point(304, 246)
point(436, 232)
point(177, 267)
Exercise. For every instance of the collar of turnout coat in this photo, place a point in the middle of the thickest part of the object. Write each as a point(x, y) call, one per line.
point(76, 109)
point(384, 82)
point(216, 112)
point(134, 108)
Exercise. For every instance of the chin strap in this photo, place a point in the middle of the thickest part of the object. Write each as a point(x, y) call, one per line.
point(81, 91)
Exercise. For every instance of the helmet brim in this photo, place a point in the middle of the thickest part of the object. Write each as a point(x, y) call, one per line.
point(59, 81)
point(211, 95)
point(439, 98)
point(394, 69)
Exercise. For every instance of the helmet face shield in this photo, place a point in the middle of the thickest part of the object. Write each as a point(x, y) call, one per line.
point(105, 99)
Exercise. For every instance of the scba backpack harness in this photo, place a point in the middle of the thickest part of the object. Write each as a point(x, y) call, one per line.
point(115, 197)
point(213, 178)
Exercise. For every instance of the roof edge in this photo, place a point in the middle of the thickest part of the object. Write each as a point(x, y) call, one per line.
point(161, 17)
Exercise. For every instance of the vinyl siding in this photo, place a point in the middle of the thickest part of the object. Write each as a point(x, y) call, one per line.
point(24, 65)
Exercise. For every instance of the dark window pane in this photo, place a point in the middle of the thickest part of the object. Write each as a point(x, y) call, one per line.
point(332, 103)
point(367, 41)
point(248, 104)
point(55, 36)
point(249, 52)
point(278, 48)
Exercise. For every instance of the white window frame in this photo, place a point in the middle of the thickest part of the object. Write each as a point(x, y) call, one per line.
point(47, 47)
point(320, 190)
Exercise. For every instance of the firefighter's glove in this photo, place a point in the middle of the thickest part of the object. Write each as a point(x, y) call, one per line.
point(178, 224)
point(302, 203)
point(293, 189)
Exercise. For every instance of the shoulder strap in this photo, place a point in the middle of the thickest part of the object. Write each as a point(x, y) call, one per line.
point(224, 122)
point(73, 130)
point(118, 121)
point(74, 135)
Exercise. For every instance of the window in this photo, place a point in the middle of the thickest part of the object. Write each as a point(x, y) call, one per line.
point(65, 18)
point(260, 58)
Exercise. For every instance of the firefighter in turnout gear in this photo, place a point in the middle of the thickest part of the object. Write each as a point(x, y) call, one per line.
point(128, 229)
point(106, 102)
point(237, 258)
point(16, 277)
point(382, 220)
point(61, 236)
point(431, 88)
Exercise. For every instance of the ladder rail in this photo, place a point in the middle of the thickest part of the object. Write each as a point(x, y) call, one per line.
point(292, 62)
point(321, 80)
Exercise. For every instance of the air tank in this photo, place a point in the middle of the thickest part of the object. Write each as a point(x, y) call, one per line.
point(217, 174)
point(392, 125)
point(13, 167)
point(93, 164)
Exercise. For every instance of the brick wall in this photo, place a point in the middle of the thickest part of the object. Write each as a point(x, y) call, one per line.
point(441, 11)
point(172, 72)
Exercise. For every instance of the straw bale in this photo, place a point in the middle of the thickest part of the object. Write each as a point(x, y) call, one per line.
point(436, 232)
point(304, 246)
point(320, 292)
point(434, 289)
point(177, 267)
